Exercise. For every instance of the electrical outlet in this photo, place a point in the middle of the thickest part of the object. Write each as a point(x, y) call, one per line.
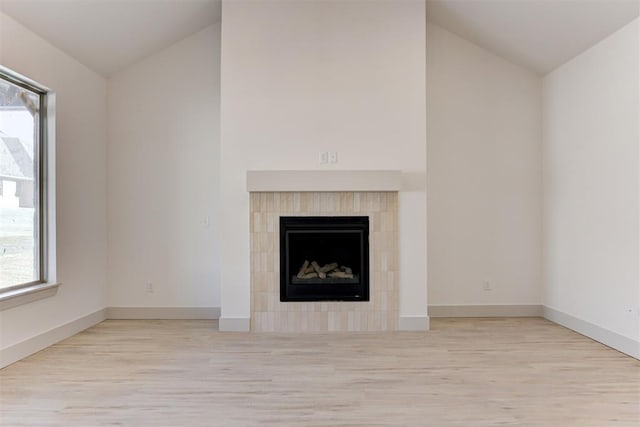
point(324, 157)
point(487, 285)
point(333, 157)
point(149, 288)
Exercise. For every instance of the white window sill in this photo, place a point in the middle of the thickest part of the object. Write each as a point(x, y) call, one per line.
point(14, 297)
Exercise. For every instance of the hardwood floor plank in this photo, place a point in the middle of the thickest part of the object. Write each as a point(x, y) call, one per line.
point(464, 372)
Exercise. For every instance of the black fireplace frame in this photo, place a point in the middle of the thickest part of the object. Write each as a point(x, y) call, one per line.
point(346, 290)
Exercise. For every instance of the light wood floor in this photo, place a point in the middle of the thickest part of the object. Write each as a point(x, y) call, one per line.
point(465, 372)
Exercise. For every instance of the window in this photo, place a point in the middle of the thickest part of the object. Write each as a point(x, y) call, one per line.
point(23, 177)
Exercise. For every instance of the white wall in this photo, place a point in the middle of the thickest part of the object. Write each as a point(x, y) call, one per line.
point(484, 176)
point(163, 170)
point(81, 183)
point(299, 78)
point(592, 196)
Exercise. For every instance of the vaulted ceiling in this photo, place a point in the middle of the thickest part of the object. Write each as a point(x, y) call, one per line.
point(110, 35)
point(538, 34)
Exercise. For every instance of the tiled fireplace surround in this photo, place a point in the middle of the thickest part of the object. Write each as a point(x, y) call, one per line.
point(268, 314)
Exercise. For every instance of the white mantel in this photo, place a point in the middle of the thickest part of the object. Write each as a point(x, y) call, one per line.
point(321, 181)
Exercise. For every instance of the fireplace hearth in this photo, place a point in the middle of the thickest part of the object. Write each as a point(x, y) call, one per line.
point(324, 258)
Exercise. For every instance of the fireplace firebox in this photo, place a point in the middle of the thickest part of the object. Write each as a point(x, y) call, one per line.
point(324, 258)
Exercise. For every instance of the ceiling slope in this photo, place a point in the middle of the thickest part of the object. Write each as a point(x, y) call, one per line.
point(109, 35)
point(538, 34)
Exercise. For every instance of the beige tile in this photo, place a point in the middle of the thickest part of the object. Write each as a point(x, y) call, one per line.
point(260, 262)
point(268, 261)
point(291, 321)
point(259, 282)
point(383, 200)
point(269, 222)
point(295, 322)
point(353, 321)
point(266, 241)
point(257, 222)
point(254, 203)
point(364, 320)
point(374, 222)
point(371, 321)
point(391, 280)
point(384, 301)
point(275, 263)
point(345, 203)
point(295, 198)
point(378, 281)
point(254, 241)
point(282, 322)
point(356, 202)
point(334, 306)
point(286, 203)
point(276, 202)
point(271, 302)
point(305, 202)
point(392, 319)
point(263, 201)
point(392, 297)
point(305, 322)
point(319, 322)
point(253, 260)
point(376, 301)
point(373, 202)
point(375, 261)
point(254, 323)
point(386, 221)
point(333, 321)
point(384, 321)
point(269, 202)
point(265, 210)
point(260, 301)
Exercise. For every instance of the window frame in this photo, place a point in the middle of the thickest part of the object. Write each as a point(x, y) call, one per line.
point(44, 188)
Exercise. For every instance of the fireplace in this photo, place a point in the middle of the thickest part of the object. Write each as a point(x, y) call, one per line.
point(326, 312)
point(324, 258)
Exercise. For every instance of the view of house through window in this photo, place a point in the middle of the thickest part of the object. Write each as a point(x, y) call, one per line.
point(20, 228)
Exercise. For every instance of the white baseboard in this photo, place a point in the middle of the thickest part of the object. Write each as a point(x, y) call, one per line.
point(413, 323)
point(32, 345)
point(485, 311)
point(609, 338)
point(163, 313)
point(234, 324)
